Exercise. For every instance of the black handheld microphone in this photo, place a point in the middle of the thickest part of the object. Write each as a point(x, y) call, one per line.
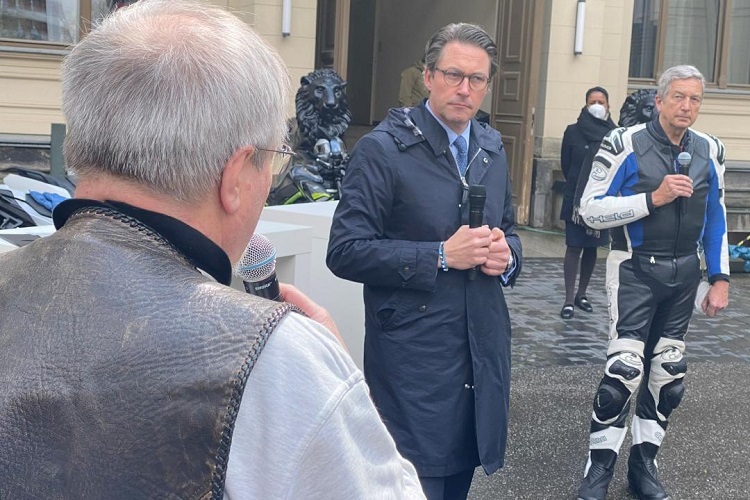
point(683, 159)
point(477, 197)
point(257, 268)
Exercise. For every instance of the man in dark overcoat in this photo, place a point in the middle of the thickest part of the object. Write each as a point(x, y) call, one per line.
point(437, 343)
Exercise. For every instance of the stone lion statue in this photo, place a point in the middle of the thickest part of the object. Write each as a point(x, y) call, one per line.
point(639, 107)
point(322, 109)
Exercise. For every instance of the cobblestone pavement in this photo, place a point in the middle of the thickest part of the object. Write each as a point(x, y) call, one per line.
point(542, 339)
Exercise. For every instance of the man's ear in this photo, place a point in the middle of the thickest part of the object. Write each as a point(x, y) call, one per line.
point(426, 76)
point(657, 102)
point(231, 187)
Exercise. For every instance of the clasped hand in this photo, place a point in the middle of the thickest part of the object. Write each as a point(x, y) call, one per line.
point(480, 247)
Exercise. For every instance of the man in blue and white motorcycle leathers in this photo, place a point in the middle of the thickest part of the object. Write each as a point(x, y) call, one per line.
point(662, 210)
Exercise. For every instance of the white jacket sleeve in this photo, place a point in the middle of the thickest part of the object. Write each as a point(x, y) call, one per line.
point(352, 455)
point(606, 201)
point(307, 428)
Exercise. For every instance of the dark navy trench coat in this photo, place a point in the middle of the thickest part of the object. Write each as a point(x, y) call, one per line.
point(437, 346)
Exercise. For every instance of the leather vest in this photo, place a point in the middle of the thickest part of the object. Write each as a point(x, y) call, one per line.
point(122, 367)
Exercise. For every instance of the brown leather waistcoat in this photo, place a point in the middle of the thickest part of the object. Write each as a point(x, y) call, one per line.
point(121, 366)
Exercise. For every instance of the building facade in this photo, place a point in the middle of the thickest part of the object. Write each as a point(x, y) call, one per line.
point(624, 45)
point(35, 35)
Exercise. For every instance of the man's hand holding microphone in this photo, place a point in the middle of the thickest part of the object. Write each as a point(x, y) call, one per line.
point(480, 247)
point(675, 185)
point(257, 269)
point(476, 247)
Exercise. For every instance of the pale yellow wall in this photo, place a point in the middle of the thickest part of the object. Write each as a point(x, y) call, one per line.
point(30, 89)
point(566, 77)
point(726, 117)
point(30, 93)
point(298, 49)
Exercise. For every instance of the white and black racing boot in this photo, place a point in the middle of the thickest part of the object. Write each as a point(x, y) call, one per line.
point(599, 471)
point(643, 473)
point(604, 445)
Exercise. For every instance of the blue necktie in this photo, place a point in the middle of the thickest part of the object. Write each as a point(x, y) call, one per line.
point(462, 158)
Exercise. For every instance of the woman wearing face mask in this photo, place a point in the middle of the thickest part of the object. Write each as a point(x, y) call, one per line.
point(580, 144)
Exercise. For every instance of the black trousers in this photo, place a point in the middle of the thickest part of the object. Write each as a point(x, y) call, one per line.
point(455, 487)
point(650, 298)
point(651, 302)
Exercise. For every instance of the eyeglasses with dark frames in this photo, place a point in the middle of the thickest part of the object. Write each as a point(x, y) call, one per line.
point(454, 78)
point(281, 158)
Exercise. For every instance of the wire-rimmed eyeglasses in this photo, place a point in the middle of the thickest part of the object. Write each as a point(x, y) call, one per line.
point(281, 158)
point(454, 78)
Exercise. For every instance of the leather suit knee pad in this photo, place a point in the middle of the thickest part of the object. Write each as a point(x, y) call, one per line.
point(622, 376)
point(668, 368)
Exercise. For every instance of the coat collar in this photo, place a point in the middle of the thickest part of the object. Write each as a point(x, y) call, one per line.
point(412, 125)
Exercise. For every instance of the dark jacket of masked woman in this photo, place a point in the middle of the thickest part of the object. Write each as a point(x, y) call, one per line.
point(579, 145)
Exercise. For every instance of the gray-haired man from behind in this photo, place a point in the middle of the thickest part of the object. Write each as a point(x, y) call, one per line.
point(129, 368)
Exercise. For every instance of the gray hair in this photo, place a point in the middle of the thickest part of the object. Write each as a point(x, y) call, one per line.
point(460, 32)
point(682, 72)
point(163, 92)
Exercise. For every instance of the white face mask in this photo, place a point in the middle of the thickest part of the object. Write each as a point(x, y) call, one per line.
point(598, 111)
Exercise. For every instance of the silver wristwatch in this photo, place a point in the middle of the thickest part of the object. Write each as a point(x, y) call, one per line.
point(511, 261)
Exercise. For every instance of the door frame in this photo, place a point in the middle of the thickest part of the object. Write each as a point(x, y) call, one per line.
point(522, 166)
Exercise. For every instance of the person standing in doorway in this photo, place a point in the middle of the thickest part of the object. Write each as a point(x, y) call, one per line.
point(412, 91)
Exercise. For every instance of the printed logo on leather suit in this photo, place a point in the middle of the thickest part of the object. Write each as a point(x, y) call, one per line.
point(598, 440)
point(612, 143)
point(629, 214)
point(598, 173)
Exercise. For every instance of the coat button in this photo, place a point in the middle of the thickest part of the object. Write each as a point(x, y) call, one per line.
point(406, 269)
point(486, 160)
point(422, 308)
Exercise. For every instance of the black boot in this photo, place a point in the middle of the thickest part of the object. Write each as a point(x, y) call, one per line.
point(643, 474)
point(598, 475)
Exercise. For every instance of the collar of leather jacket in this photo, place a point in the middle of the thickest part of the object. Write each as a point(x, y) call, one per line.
point(202, 253)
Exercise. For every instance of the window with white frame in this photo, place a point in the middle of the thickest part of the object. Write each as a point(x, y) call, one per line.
point(712, 35)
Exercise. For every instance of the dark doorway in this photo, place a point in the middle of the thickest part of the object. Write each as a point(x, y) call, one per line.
point(359, 62)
